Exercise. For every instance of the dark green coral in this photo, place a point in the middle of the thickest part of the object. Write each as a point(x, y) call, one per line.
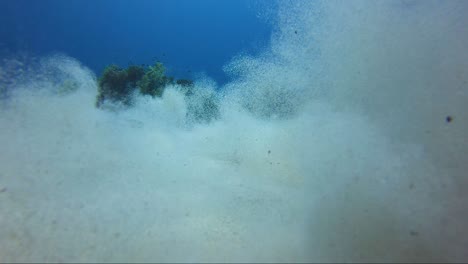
point(117, 85)
point(154, 80)
point(114, 85)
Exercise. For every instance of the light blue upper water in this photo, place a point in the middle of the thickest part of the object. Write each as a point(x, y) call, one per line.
point(189, 37)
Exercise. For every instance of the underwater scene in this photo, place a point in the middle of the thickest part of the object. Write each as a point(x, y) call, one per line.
point(233, 131)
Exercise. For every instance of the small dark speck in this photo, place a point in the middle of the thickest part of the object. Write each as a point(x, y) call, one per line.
point(411, 186)
point(4, 189)
point(295, 31)
point(414, 233)
point(449, 119)
point(269, 151)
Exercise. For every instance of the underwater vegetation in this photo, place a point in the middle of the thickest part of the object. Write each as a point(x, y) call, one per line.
point(115, 85)
point(118, 85)
point(154, 80)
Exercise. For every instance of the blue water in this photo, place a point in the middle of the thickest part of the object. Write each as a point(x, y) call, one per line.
point(189, 37)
